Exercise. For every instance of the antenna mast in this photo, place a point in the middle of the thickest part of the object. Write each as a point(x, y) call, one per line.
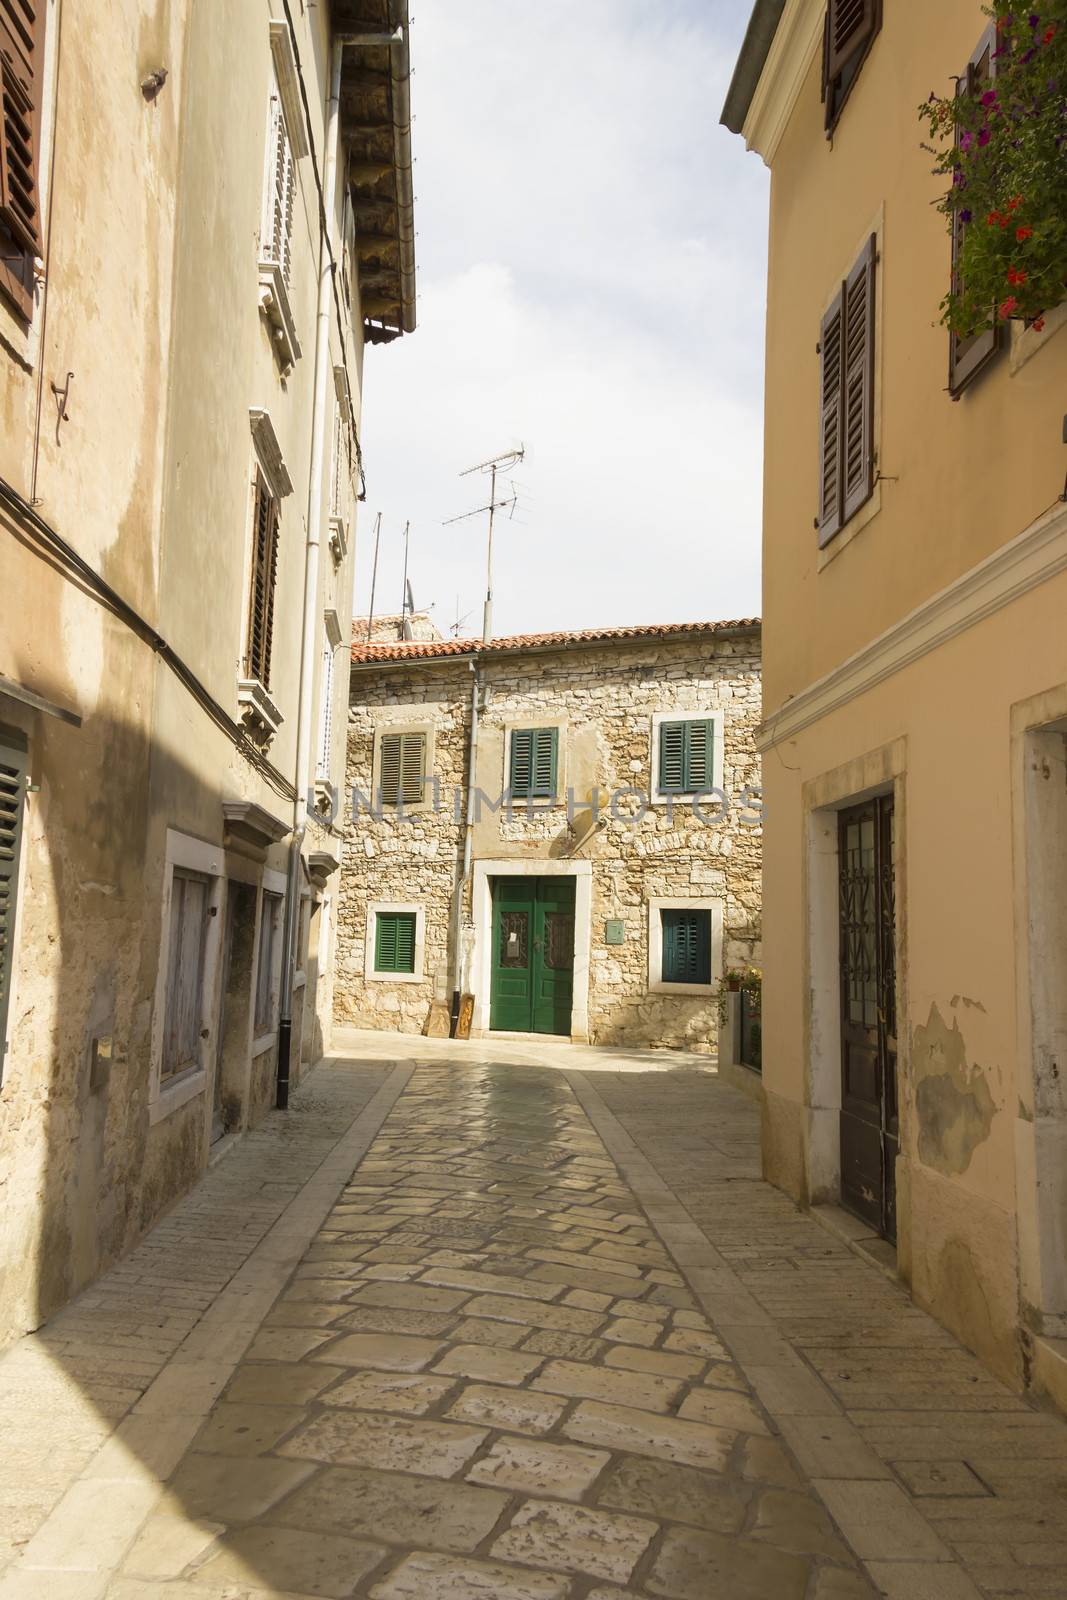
point(374, 573)
point(510, 458)
point(405, 623)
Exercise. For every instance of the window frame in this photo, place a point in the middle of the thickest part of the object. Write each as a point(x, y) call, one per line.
point(657, 904)
point(713, 714)
point(167, 1094)
point(837, 85)
point(532, 791)
point(850, 514)
point(673, 915)
point(266, 994)
point(391, 908)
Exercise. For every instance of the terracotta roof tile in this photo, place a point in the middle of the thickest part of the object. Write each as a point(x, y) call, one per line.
point(517, 644)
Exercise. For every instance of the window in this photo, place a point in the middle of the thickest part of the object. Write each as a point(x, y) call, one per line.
point(402, 768)
point(184, 1006)
point(285, 143)
point(264, 576)
point(279, 197)
point(533, 763)
point(969, 353)
point(394, 942)
point(686, 946)
point(338, 465)
point(849, 29)
point(21, 61)
point(326, 712)
point(686, 756)
point(269, 939)
point(846, 399)
point(13, 767)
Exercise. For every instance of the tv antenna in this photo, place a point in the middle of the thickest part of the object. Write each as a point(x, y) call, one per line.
point(510, 458)
point(454, 627)
point(374, 573)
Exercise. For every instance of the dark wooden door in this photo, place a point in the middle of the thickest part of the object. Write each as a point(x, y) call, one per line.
point(869, 1121)
point(532, 978)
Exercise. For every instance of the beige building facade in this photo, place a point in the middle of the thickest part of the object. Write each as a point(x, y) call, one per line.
point(181, 357)
point(915, 586)
point(564, 828)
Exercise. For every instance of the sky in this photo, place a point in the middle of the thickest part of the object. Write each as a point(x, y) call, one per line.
point(591, 258)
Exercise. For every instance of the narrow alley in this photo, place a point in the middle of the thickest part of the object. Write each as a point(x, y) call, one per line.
point(521, 1322)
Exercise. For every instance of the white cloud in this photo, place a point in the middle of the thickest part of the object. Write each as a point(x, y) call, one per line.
point(590, 261)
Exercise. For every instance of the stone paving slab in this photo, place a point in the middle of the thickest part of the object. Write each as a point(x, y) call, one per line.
point(444, 1401)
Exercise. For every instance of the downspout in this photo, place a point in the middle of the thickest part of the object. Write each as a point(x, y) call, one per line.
point(468, 839)
point(309, 642)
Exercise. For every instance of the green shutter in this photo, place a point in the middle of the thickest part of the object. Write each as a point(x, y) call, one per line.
point(394, 941)
point(686, 756)
point(402, 768)
point(533, 763)
point(12, 800)
point(686, 946)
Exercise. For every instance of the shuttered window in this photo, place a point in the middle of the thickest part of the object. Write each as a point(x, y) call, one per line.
point(269, 934)
point(264, 578)
point(183, 1013)
point(280, 191)
point(394, 941)
point(13, 767)
point(686, 756)
point(402, 768)
point(849, 29)
point(969, 353)
point(21, 58)
point(686, 946)
point(338, 466)
point(846, 397)
point(326, 712)
point(533, 763)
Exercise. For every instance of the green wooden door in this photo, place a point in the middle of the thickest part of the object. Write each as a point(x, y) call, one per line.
point(532, 981)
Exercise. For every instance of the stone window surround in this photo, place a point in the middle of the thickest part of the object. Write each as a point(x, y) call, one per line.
point(209, 859)
point(419, 725)
point(713, 714)
point(660, 903)
point(375, 908)
point(482, 910)
point(540, 802)
point(272, 883)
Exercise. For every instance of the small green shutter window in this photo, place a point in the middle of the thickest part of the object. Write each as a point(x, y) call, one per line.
point(533, 765)
point(394, 941)
point(12, 803)
point(686, 946)
point(402, 770)
point(686, 756)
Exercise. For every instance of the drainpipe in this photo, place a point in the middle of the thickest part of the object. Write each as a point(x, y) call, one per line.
point(309, 643)
point(468, 838)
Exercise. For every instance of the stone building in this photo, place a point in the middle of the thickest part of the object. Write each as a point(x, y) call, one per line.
point(600, 873)
point(915, 1009)
point(204, 218)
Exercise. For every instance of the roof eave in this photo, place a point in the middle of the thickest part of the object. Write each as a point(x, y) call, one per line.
point(759, 36)
point(741, 630)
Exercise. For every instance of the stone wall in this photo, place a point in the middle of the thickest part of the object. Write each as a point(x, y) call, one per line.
point(604, 700)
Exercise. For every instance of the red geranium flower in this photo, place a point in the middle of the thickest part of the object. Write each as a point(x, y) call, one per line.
point(1007, 307)
point(1024, 233)
point(1037, 324)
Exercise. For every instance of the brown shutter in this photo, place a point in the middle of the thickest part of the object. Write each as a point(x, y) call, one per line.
point(850, 27)
point(968, 353)
point(830, 342)
point(264, 577)
point(413, 767)
point(21, 55)
point(389, 769)
point(857, 431)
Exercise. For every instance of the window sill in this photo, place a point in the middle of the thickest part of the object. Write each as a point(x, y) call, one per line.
point(394, 977)
point(699, 990)
point(176, 1093)
point(854, 526)
point(265, 1042)
point(1025, 342)
point(259, 714)
point(274, 303)
point(338, 540)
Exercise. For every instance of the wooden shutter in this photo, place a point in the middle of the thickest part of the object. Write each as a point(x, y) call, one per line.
point(699, 755)
point(280, 190)
point(969, 353)
point(264, 579)
point(520, 771)
point(394, 941)
point(13, 767)
point(686, 947)
point(402, 768)
point(672, 757)
point(533, 763)
point(326, 711)
point(545, 746)
point(850, 27)
point(335, 463)
point(185, 972)
point(857, 432)
point(830, 353)
point(20, 73)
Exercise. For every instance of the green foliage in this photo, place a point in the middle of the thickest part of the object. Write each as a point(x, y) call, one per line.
point(1003, 147)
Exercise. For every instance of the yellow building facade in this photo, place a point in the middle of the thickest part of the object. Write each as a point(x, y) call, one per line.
point(915, 698)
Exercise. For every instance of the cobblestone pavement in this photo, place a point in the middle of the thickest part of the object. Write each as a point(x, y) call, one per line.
point(525, 1333)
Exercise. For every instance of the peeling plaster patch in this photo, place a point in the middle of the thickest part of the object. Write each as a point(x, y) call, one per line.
point(952, 1099)
point(964, 1000)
